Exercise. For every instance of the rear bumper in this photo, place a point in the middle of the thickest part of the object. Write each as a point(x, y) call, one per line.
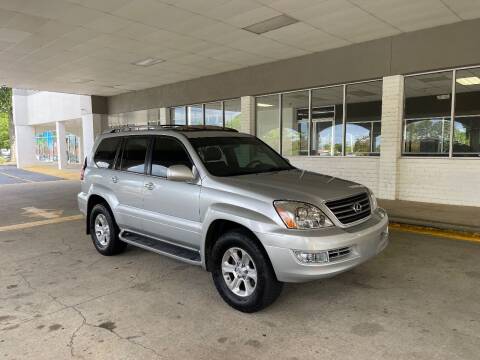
point(365, 241)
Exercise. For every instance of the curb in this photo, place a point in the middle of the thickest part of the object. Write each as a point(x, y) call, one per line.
point(432, 231)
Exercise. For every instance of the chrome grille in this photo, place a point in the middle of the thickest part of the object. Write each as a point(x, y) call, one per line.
point(344, 209)
point(337, 254)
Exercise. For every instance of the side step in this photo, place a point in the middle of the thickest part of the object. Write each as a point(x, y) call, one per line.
point(161, 247)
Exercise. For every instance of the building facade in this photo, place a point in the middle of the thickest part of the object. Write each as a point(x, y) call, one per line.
point(399, 114)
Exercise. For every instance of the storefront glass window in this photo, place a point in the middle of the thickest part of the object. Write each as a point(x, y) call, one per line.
point(295, 123)
point(268, 120)
point(428, 99)
point(364, 112)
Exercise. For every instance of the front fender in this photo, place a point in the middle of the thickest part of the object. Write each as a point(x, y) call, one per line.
point(252, 220)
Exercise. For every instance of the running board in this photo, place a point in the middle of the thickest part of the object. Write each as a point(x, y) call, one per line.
point(161, 247)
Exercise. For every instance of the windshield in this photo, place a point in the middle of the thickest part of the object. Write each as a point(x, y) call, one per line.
point(230, 156)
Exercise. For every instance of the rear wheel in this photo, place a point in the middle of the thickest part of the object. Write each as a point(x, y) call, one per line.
point(242, 273)
point(104, 231)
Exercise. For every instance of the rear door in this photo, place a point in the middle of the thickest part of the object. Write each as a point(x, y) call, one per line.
point(128, 182)
point(171, 207)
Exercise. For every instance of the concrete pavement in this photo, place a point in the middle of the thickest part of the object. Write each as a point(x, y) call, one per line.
point(61, 299)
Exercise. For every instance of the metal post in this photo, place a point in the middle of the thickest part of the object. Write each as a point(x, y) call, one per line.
point(344, 125)
point(280, 101)
point(452, 114)
point(223, 112)
point(310, 123)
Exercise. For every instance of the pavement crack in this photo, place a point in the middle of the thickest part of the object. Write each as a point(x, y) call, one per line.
point(74, 334)
point(85, 323)
point(54, 298)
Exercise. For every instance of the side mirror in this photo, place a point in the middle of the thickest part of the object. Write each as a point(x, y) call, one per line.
point(180, 173)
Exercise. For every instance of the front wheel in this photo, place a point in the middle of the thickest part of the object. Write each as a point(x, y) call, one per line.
point(242, 273)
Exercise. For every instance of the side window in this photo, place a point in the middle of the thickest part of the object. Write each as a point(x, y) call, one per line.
point(106, 151)
point(134, 154)
point(166, 152)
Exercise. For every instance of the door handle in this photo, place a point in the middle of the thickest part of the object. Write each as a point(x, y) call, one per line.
point(114, 179)
point(149, 186)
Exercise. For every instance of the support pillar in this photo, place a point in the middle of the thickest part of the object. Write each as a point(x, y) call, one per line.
point(61, 145)
point(25, 145)
point(164, 116)
point(391, 147)
point(91, 128)
point(247, 118)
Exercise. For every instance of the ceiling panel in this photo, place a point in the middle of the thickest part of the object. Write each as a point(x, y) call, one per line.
point(89, 46)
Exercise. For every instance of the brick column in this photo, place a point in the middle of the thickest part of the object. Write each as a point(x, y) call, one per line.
point(391, 147)
point(164, 116)
point(247, 118)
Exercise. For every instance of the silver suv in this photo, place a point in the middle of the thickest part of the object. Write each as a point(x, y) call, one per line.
point(228, 202)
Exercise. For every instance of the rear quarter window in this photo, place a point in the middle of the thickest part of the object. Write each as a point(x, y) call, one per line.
point(106, 151)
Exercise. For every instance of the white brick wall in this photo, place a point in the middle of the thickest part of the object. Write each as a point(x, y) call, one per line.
point(247, 122)
point(390, 151)
point(444, 181)
point(363, 170)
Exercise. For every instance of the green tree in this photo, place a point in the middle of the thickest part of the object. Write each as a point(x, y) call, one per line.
point(7, 110)
point(4, 135)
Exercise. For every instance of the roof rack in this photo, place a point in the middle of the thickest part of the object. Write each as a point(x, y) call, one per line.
point(128, 128)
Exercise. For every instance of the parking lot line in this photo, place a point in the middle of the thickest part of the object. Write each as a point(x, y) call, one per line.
point(15, 177)
point(40, 223)
point(449, 234)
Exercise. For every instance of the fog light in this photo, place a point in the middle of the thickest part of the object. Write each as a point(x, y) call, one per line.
point(309, 257)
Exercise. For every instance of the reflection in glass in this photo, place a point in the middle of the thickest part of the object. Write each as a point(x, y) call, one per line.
point(178, 115)
point(195, 115)
point(327, 120)
point(233, 111)
point(466, 136)
point(214, 114)
point(427, 136)
point(267, 115)
point(295, 123)
point(427, 114)
point(364, 110)
point(46, 146)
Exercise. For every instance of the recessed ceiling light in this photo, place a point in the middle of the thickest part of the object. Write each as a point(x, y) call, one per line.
point(81, 81)
point(443, 97)
point(148, 62)
point(274, 23)
point(264, 105)
point(467, 81)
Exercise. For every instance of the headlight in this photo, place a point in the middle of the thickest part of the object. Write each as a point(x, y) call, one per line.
point(299, 215)
point(373, 201)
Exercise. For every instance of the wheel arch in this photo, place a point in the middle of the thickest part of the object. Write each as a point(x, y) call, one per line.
point(219, 227)
point(95, 199)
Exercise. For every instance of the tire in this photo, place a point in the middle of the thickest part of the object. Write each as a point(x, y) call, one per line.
point(233, 280)
point(105, 245)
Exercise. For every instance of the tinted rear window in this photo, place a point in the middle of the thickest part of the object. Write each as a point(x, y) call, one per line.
point(134, 154)
point(106, 152)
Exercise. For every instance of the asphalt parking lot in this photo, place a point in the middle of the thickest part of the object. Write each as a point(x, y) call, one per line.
point(60, 299)
point(9, 174)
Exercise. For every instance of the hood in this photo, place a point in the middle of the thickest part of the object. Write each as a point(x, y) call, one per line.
point(295, 184)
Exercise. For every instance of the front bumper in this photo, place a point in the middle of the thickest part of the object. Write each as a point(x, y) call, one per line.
point(365, 240)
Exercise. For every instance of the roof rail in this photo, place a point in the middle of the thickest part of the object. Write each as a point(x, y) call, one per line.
point(128, 128)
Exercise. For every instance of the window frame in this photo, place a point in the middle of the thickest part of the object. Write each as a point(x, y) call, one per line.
point(452, 115)
point(202, 105)
point(117, 150)
point(344, 118)
point(119, 160)
point(150, 154)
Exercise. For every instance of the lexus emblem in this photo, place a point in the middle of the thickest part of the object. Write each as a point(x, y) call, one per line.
point(357, 207)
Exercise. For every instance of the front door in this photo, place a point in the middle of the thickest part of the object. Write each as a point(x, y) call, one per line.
point(171, 207)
